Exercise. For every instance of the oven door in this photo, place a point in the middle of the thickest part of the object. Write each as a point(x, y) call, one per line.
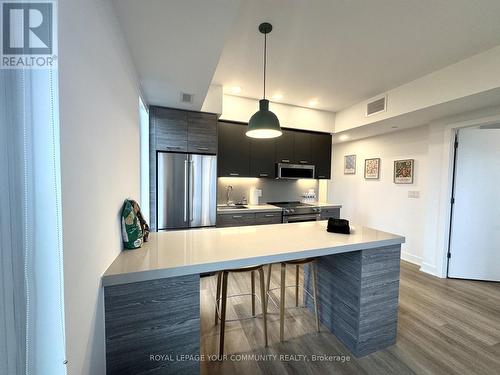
point(300, 218)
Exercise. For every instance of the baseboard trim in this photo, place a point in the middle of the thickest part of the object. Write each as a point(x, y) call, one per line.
point(411, 258)
point(430, 269)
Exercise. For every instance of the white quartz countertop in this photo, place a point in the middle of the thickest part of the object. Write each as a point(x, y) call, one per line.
point(250, 208)
point(325, 204)
point(187, 252)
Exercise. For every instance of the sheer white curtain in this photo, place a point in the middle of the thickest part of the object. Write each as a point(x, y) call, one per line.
point(144, 125)
point(31, 274)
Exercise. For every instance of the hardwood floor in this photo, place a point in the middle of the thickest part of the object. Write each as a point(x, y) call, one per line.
point(445, 327)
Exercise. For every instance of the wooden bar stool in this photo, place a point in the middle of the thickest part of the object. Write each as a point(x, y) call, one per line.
point(221, 300)
point(283, 286)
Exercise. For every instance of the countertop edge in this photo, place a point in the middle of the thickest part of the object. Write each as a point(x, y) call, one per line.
point(133, 277)
point(247, 210)
point(271, 209)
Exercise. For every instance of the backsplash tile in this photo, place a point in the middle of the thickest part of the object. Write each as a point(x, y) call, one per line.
point(272, 190)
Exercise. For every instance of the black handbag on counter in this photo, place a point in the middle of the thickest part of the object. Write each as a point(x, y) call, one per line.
point(338, 226)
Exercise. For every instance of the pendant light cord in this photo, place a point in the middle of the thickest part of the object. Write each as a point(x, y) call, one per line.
point(265, 55)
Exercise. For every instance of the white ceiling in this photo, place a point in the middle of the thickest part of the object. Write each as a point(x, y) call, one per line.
point(477, 102)
point(175, 45)
point(345, 51)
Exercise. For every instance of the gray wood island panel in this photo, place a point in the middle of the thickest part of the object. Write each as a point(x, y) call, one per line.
point(152, 294)
point(153, 327)
point(358, 297)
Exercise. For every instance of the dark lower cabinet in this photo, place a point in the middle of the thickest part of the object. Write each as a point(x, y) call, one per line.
point(330, 212)
point(234, 150)
point(321, 154)
point(242, 219)
point(239, 219)
point(235, 220)
point(267, 218)
point(262, 153)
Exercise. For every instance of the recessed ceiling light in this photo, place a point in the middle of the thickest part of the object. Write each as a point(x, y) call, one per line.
point(235, 89)
point(313, 102)
point(343, 137)
point(277, 96)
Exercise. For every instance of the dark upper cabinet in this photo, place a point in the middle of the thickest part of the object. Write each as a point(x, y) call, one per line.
point(239, 155)
point(262, 153)
point(234, 150)
point(170, 129)
point(302, 149)
point(321, 145)
point(202, 133)
point(285, 146)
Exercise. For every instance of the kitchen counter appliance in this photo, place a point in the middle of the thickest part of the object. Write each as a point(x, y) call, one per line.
point(286, 171)
point(186, 190)
point(294, 212)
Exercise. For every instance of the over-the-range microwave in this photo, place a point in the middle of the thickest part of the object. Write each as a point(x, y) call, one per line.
point(294, 171)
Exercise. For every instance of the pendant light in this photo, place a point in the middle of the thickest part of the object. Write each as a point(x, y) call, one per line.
point(264, 123)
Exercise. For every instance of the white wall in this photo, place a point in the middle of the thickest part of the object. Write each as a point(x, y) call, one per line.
point(473, 75)
point(439, 177)
point(213, 100)
point(144, 131)
point(236, 108)
point(381, 203)
point(99, 165)
point(386, 206)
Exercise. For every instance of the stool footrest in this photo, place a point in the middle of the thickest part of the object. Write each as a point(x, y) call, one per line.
point(217, 311)
point(222, 296)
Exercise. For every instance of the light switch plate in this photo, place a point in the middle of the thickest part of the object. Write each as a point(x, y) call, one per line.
point(414, 194)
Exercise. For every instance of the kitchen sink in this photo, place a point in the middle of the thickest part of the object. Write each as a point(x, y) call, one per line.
point(239, 206)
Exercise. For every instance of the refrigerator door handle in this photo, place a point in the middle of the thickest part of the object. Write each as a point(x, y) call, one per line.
point(191, 189)
point(185, 189)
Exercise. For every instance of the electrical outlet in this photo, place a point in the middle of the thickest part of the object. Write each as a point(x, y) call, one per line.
point(414, 194)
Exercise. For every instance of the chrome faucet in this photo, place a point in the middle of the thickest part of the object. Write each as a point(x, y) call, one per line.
point(229, 190)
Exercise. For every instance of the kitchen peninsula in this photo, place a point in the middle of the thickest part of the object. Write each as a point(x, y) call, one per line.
point(152, 303)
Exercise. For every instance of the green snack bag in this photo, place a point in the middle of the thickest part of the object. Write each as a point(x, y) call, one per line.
point(132, 233)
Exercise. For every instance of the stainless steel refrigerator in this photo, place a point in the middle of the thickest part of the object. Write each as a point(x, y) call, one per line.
point(186, 188)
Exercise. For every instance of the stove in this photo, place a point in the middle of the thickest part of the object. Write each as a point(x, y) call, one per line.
point(297, 211)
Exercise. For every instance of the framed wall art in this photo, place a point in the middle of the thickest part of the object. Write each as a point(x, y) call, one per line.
point(350, 164)
point(403, 171)
point(372, 169)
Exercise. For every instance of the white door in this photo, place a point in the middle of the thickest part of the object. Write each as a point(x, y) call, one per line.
point(475, 225)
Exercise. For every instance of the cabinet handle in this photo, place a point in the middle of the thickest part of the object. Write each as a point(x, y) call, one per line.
point(202, 148)
point(174, 147)
point(237, 216)
point(303, 161)
point(285, 160)
point(263, 174)
point(321, 176)
point(269, 215)
point(234, 174)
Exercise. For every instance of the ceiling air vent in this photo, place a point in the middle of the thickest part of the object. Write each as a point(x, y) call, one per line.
point(491, 126)
point(376, 106)
point(186, 98)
